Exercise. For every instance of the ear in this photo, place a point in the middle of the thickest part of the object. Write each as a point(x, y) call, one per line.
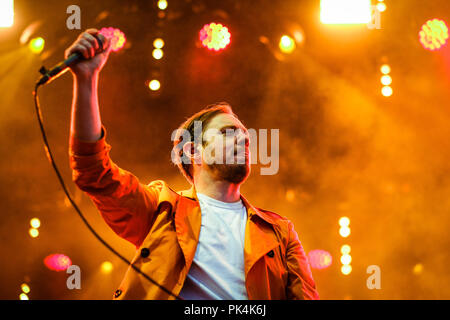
point(192, 153)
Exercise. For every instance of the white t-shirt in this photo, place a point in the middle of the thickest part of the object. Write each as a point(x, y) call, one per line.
point(217, 272)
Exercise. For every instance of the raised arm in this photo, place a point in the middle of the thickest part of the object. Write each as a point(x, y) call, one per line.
point(126, 205)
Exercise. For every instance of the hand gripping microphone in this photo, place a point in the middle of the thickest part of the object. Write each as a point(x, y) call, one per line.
point(62, 67)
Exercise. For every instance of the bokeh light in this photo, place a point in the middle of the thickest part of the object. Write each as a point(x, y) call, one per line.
point(6, 13)
point(34, 233)
point(345, 11)
point(158, 43)
point(319, 259)
point(434, 34)
point(385, 69)
point(215, 36)
point(57, 262)
point(106, 267)
point(35, 223)
point(154, 85)
point(346, 269)
point(346, 259)
point(286, 44)
point(36, 45)
point(116, 36)
point(381, 6)
point(386, 80)
point(344, 221)
point(157, 54)
point(344, 232)
point(418, 269)
point(345, 249)
point(23, 296)
point(386, 91)
point(25, 288)
point(162, 4)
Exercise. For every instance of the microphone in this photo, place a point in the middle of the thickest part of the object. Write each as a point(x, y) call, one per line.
point(62, 67)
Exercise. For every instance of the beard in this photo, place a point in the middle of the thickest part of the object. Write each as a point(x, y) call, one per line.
point(233, 173)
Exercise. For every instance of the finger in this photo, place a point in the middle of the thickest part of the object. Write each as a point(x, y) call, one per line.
point(80, 49)
point(91, 40)
point(88, 46)
point(106, 42)
point(92, 31)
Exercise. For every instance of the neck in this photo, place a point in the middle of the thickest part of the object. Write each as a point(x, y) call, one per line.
point(219, 190)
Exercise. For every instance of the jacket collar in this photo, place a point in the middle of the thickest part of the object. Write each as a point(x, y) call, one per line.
point(251, 210)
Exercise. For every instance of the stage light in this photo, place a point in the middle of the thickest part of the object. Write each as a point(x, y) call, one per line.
point(346, 269)
point(106, 267)
point(345, 11)
point(385, 69)
point(344, 221)
point(34, 233)
point(434, 34)
point(57, 262)
point(344, 232)
point(215, 36)
point(319, 259)
point(158, 43)
point(386, 80)
point(418, 269)
point(162, 4)
point(6, 13)
point(35, 223)
point(157, 54)
point(23, 296)
point(345, 249)
point(36, 45)
point(287, 44)
point(154, 85)
point(25, 288)
point(116, 36)
point(346, 259)
point(381, 6)
point(386, 91)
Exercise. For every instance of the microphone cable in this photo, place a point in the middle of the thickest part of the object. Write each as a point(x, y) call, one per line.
point(80, 214)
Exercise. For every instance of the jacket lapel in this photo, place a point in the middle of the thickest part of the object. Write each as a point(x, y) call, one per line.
point(259, 236)
point(187, 223)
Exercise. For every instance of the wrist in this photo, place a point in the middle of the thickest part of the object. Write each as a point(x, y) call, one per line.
point(90, 77)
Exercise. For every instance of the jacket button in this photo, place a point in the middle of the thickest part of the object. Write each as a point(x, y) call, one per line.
point(271, 253)
point(117, 293)
point(145, 252)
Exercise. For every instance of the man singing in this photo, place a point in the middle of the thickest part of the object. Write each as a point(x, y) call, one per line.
point(207, 242)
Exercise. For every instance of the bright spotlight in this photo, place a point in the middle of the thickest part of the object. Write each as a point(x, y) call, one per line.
point(344, 232)
point(381, 6)
point(386, 91)
point(36, 45)
point(346, 269)
point(215, 36)
point(385, 69)
point(345, 11)
point(434, 34)
point(34, 233)
point(158, 43)
point(345, 249)
point(386, 80)
point(162, 4)
point(23, 296)
point(344, 221)
point(6, 13)
point(154, 85)
point(157, 54)
point(25, 288)
point(287, 44)
point(35, 223)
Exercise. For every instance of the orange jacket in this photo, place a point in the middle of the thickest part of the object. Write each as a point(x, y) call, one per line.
point(164, 225)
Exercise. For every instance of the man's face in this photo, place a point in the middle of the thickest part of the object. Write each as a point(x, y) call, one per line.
point(225, 152)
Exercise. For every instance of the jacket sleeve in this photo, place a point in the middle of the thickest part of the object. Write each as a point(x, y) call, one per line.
point(125, 204)
point(301, 285)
